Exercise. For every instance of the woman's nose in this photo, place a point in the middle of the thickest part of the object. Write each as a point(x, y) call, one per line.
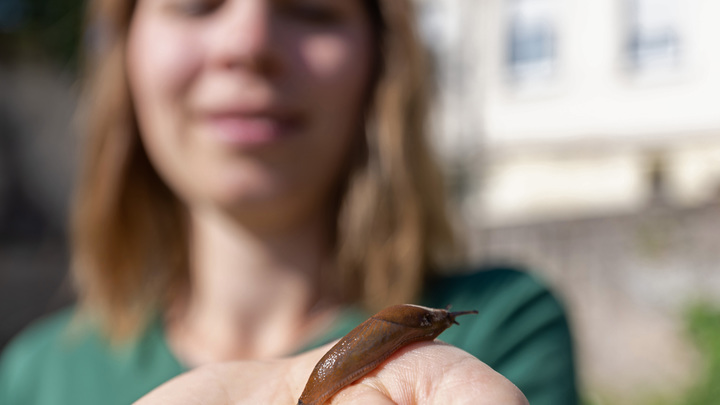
point(246, 37)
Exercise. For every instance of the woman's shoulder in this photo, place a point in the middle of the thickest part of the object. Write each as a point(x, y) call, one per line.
point(485, 283)
point(521, 329)
point(511, 300)
point(66, 358)
point(41, 337)
point(31, 352)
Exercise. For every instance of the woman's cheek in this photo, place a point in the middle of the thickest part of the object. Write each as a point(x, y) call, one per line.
point(162, 64)
point(163, 58)
point(335, 59)
point(327, 58)
point(339, 75)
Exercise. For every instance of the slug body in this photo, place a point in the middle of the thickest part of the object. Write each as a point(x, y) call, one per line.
point(370, 343)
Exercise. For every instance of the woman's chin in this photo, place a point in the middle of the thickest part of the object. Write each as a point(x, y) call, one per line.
point(249, 188)
point(245, 201)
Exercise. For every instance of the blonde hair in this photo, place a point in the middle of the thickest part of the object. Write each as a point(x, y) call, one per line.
point(130, 232)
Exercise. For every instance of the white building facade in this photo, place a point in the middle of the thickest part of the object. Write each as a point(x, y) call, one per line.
point(559, 109)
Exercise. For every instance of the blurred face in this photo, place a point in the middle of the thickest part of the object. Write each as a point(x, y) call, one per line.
point(250, 105)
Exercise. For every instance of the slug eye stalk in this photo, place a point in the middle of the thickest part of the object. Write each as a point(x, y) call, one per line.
point(452, 315)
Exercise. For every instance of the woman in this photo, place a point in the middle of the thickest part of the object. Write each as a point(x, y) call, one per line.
point(256, 183)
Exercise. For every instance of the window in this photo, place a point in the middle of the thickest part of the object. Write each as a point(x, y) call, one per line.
point(654, 39)
point(531, 39)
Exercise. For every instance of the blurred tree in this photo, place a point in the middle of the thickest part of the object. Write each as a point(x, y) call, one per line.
point(48, 30)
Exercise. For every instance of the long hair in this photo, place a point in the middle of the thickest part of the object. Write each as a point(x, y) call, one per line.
point(130, 232)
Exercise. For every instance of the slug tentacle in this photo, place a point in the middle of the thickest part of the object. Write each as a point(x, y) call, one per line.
point(371, 343)
point(452, 315)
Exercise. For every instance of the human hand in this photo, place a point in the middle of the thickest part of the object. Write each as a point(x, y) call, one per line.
point(421, 373)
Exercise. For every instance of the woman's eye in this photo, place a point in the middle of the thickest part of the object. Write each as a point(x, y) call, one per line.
point(195, 8)
point(314, 13)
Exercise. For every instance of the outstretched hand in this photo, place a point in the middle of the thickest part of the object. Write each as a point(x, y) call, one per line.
point(421, 373)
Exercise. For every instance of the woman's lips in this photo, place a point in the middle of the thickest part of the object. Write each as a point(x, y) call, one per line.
point(250, 130)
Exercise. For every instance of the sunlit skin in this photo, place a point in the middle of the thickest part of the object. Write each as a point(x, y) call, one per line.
point(454, 377)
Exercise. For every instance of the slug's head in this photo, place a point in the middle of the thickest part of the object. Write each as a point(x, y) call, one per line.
point(432, 321)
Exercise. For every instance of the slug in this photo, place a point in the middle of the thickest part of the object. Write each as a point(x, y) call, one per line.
point(370, 343)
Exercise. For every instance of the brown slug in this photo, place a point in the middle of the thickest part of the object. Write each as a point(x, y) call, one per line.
point(370, 343)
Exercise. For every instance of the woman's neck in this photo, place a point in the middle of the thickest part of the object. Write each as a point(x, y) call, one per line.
point(252, 295)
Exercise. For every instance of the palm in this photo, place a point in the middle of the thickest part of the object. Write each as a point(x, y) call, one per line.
point(423, 373)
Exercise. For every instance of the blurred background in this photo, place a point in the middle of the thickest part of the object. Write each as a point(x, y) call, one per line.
point(38, 47)
point(581, 138)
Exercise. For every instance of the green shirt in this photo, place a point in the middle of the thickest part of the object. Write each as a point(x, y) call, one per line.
point(521, 332)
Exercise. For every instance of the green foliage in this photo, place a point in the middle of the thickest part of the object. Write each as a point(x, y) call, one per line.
point(704, 326)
